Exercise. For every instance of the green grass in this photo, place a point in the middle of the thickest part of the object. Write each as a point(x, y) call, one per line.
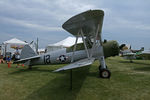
point(129, 81)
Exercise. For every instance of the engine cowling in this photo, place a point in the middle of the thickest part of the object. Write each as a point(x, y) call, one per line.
point(111, 48)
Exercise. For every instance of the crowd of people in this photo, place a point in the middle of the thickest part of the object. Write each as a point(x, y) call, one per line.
point(2, 60)
point(8, 59)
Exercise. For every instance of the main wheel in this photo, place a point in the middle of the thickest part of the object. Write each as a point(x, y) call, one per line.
point(104, 73)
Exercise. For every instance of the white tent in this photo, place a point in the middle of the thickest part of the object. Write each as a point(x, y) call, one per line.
point(41, 51)
point(15, 41)
point(10, 46)
point(68, 42)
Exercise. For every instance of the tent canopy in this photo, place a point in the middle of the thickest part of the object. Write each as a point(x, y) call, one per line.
point(15, 41)
point(68, 42)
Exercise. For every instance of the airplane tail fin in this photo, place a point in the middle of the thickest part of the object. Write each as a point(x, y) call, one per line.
point(142, 49)
point(27, 52)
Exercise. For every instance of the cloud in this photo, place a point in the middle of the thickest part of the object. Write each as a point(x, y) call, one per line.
point(128, 19)
point(29, 25)
point(74, 5)
point(121, 23)
point(143, 27)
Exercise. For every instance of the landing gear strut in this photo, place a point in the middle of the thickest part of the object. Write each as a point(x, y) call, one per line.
point(104, 73)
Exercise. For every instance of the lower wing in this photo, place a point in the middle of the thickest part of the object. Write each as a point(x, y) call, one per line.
point(128, 54)
point(77, 64)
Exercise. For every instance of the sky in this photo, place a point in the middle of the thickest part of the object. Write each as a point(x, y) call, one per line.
point(127, 21)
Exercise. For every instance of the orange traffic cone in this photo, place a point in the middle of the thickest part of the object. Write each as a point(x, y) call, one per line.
point(9, 64)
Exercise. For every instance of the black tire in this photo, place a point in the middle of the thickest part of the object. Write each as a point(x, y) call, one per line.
point(105, 73)
point(101, 67)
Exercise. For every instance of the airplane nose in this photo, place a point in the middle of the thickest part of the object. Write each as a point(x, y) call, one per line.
point(111, 48)
point(115, 48)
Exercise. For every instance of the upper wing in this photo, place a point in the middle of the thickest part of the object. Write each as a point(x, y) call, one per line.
point(80, 63)
point(87, 21)
point(26, 59)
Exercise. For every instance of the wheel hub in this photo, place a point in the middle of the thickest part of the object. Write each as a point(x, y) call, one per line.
point(105, 74)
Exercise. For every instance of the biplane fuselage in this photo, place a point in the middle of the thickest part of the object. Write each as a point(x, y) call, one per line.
point(62, 56)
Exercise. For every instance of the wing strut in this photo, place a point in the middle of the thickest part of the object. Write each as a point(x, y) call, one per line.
point(94, 44)
point(85, 44)
point(74, 49)
point(102, 58)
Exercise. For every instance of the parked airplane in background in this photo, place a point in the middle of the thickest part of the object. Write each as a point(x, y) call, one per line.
point(124, 49)
point(144, 55)
point(130, 54)
point(87, 25)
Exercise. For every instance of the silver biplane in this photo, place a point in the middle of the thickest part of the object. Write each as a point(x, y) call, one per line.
point(87, 25)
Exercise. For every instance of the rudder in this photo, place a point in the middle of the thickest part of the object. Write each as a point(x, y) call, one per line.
point(27, 52)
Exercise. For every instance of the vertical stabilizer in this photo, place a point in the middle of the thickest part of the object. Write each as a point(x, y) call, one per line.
point(27, 52)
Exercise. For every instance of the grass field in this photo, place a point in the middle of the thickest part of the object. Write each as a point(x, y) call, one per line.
point(129, 81)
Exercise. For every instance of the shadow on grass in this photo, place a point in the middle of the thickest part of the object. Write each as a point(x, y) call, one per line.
point(143, 68)
point(59, 88)
point(142, 63)
point(93, 74)
point(126, 61)
point(31, 70)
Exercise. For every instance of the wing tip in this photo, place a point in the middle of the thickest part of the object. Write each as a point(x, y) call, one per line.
point(58, 70)
point(55, 71)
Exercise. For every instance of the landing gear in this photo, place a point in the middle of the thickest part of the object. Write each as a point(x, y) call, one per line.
point(104, 73)
point(100, 67)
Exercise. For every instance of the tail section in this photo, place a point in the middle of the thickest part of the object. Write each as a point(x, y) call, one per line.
point(142, 49)
point(27, 52)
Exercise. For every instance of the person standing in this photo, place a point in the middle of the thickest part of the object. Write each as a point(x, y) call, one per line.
point(17, 54)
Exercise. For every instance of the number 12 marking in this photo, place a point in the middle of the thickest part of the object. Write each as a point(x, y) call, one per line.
point(47, 59)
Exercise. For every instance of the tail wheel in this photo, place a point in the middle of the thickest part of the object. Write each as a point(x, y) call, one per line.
point(105, 73)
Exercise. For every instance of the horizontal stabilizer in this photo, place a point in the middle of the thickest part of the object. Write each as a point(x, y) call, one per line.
point(77, 64)
point(26, 59)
